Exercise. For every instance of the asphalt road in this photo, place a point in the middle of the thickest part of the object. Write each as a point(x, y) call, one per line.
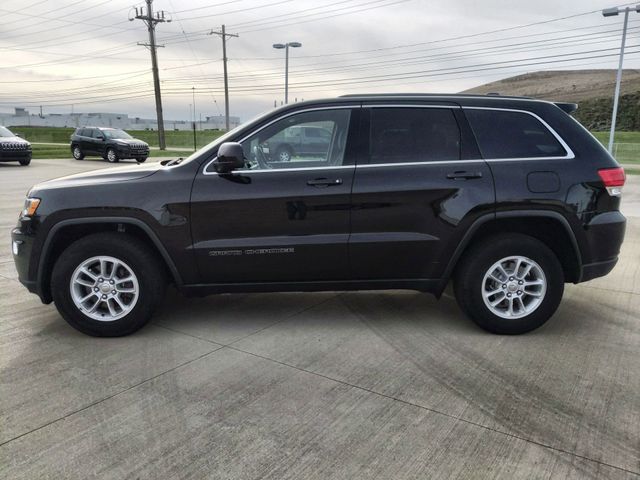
point(328, 385)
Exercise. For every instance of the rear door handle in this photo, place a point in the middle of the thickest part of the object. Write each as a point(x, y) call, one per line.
point(464, 175)
point(324, 182)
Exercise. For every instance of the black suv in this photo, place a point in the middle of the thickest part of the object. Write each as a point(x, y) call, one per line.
point(112, 144)
point(508, 197)
point(13, 148)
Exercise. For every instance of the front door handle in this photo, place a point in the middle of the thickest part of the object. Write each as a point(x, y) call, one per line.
point(324, 182)
point(460, 175)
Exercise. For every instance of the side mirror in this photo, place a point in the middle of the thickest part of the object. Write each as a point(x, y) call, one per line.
point(230, 157)
point(18, 135)
point(100, 138)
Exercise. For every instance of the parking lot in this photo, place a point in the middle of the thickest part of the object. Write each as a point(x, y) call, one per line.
point(320, 385)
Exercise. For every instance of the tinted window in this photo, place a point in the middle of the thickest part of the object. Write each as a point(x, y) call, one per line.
point(281, 144)
point(97, 133)
point(502, 134)
point(85, 132)
point(413, 135)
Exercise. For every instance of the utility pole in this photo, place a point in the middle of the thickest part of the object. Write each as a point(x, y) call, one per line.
point(150, 21)
point(193, 90)
point(223, 34)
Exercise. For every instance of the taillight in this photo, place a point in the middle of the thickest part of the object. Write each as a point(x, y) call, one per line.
point(613, 179)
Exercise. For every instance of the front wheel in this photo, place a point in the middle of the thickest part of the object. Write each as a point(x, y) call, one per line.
point(112, 156)
point(509, 284)
point(107, 284)
point(77, 153)
point(25, 161)
point(141, 160)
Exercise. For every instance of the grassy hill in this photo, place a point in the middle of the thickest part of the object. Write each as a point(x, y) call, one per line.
point(591, 89)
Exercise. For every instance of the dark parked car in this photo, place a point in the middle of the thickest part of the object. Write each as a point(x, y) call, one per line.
point(13, 148)
point(508, 197)
point(112, 144)
point(300, 141)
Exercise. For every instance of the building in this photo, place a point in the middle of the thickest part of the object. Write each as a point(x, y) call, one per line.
point(21, 118)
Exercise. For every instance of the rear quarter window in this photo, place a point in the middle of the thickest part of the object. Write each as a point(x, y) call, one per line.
point(509, 134)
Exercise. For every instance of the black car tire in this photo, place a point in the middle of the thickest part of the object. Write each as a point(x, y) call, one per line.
point(150, 277)
point(474, 281)
point(283, 154)
point(141, 160)
point(112, 156)
point(25, 161)
point(77, 152)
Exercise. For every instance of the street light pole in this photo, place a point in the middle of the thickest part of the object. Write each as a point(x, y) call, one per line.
point(286, 46)
point(611, 12)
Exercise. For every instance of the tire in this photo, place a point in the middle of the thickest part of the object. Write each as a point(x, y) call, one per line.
point(141, 160)
point(77, 152)
point(25, 161)
point(283, 154)
point(112, 156)
point(139, 295)
point(534, 297)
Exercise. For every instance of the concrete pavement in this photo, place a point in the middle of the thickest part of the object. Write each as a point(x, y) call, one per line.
point(327, 385)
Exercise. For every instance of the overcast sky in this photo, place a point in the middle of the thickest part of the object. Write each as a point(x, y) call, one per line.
point(83, 54)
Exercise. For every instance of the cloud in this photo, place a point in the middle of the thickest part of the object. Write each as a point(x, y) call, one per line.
point(84, 52)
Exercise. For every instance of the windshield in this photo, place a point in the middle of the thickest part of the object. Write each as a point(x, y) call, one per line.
point(115, 134)
point(5, 132)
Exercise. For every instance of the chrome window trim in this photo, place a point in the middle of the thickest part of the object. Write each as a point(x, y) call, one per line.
point(569, 156)
point(312, 109)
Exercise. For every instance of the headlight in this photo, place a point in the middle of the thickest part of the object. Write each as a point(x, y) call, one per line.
point(30, 207)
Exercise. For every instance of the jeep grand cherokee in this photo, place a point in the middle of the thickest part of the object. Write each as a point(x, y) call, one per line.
point(508, 197)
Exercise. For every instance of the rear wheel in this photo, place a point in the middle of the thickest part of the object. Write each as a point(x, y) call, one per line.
point(112, 156)
point(107, 284)
point(509, 284)
point(77, 152)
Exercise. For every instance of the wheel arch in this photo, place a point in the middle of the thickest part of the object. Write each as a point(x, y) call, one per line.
point(65, 232)
point(550, 227)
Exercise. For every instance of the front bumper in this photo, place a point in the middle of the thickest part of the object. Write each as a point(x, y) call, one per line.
point(21, 247)
point(127, 152)
point(15, 155)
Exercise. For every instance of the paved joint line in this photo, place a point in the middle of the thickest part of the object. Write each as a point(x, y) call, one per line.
point(405, 402)
point(285, 318)
point(609, 289)
point(97, 402)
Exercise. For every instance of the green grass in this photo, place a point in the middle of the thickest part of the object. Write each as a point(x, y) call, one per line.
point(174, 139)
point(55, 151)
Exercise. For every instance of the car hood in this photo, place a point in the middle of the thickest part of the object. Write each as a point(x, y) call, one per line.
point(101, 176)
point(13, 140)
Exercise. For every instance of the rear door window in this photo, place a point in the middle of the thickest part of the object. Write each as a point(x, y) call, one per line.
point(510, 134)
point(407, 135)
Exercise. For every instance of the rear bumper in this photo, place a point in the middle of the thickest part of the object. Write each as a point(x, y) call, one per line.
point(599, 269)
point(605, 234)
